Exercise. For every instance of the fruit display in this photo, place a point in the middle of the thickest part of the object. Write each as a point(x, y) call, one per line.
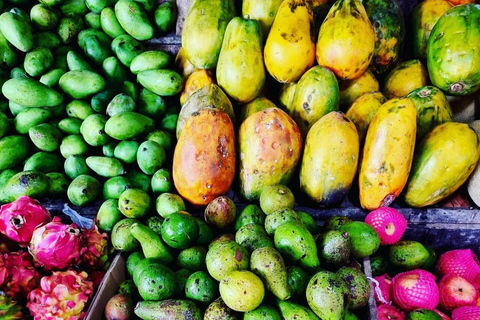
point(196, 161)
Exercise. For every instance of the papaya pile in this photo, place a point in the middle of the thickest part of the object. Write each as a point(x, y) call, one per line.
point(333, 98)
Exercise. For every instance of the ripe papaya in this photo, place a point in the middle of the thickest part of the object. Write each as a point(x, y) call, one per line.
point(405, 78)
point(240, 69)
point(424, 16)
point(363, 109)
point(330, 159)
point(346, 40)
point(270, 146)
point(444, 160)
point(432, 109)
point(259, 104)
point(388, 153)
point(203, 31)
point(316, 95)
point(197, 80)
point(290, 47)
point(350, 90)
point(386, 17)
point(204, 157)
point(453, 48)
point(262, 11)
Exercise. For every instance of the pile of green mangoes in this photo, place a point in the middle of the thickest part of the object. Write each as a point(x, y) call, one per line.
point(268, 261)
point(85, 109)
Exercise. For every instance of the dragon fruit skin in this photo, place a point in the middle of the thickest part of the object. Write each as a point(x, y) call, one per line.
point(96, 243)
point(9, 310)
point(19, 218)
point(381, 287)
point(466, 313)
point(461, 262)
point(415, 289)
point(56, 246)
point(21, 275)
point(61, 296)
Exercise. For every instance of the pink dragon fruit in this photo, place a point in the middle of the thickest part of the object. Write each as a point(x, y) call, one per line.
point(389, 223)
point(96, 243)
point(461, 262)
point(61, 296)
point(21, 276)
point(19, 218)
point(56, 246)
point(416, 289)
point(9, 310)
point(466, 313)
point(381, 287)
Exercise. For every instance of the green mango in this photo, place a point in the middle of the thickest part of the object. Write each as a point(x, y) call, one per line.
point(75, 166)
point(51, 78)
point(291, 310)
point(73, 145)
point(114, 187)
point(104, 166)
point(79, 109)
point(70, 125)
point(128, 125)
point(297, 280)
point(31, 117)
point(268, 264)
point(295, 241)
point(263, 312)
point(4, 124)
point(44, 17)
point(97, 6)
point(45, 137)
point(277, 218)
point(357, 285)
point(240, 67)
point(58, 185)
point(92, 20)
point(165, 16)
point(114, 71)
point(109, 148)
point(30, 93)
point(147, 5)
point(334, 247)
point(108, 215)
point(76, 62)
point(46, 39)
point(134, 203)
point(101, 36)
point(408, 255)
point(162, 181)
point(130, 89)
point(151, 243)
point(192, 258)
point(253, 236)
point(45, 162)
point(99, 101)
point(326, 295)
point(250, 214)
point(110, 24)
point(73, 7)
point(138, 180)
point(38, 61)
point(120, 103)
point(148, 60)
point(151, 104)
point(60, 57)
point(162, 137)
point(69, 28)
point(15, 149)
point(80, 84)
point(8, 56)
point(161, 81)
point(127, 50)
point(95, 50)
point(126, 151)
point(133, 19)
point(150, 157)
point(7, 174)
point(93, 130)
point(25, 183)
point(170, 308)
point(83, 190)
point(17, 31)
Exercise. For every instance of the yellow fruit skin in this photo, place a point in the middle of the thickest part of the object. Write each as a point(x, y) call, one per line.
point(443, 162)
point(330, 159)
point(240, 69)
point(405, 78)
point(204, 157)
point(270, 146)
point(285, 97)
point(388, 153)
point(346, 40)
point(254, 106)
point(182, 65)
point(263, 11)
point(197, 80)
point(363, 109)
point(290, 48)
point(350, 90)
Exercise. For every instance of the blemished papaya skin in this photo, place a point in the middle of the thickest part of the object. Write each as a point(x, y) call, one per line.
point(263, 11)
point(346, 41)
point(443, 162)
point(388, 153)
point(330, 159)
point(363, 109)
point(269, 146)
point(290, 46)
point(197, 80)
point(405, 78)
point(204, 157)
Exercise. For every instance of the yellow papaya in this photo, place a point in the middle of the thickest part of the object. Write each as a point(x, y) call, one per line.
point(316, 95)
point(269, 146)
point(182, 65)
point(197, 80)
point(290, 48)
point(432, 109)
point(405, 78)
point(285, 97)
point(263, 11)
point(363, 109)
point(330, 159)
point(254, 106)
point(240, 69)
point(203, 31)
point(350, 90)
point(388, 153)
point(204, 157)
point(443, 162)
point(346, 40)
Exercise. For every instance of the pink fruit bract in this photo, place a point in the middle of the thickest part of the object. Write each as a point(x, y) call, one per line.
point(19, 218)
point(63, 295)
point(388, 312)
point(466, 313)
point(56, 246)
point(455, 292)
point(96, 243)
point(388, 223)
point(21, 276)
point(415, 289)
point(381, 289)
point(461, 262)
